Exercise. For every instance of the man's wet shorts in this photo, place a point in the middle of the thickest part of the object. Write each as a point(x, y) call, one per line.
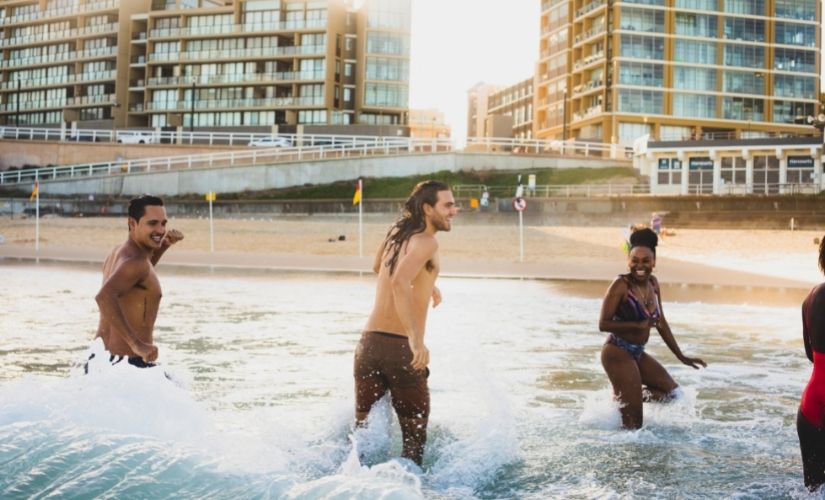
point(382, 363)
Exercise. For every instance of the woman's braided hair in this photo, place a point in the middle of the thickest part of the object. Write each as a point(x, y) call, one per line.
point(412, 220)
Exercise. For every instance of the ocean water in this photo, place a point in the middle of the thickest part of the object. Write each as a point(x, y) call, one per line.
point(261, 401)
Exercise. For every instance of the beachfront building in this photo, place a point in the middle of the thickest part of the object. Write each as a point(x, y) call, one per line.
point(740, 166)
point(428, 124)
point(516, 102)
point(500, 111)
point(206, 64)
point(477, 105)
point(677, 69)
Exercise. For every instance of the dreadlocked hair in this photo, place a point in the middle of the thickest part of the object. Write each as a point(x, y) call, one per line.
point(412, 220)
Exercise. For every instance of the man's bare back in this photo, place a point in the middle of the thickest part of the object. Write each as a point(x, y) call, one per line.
point(384, 316)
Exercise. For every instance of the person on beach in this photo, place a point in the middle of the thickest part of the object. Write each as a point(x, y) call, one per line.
point(810, 419)
point(391, 354)
point(130, 295)
point(631, 307)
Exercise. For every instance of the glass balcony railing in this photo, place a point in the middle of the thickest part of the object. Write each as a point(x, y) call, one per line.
point(60, 12)
point(237, 78)
point(235, 103)
point(59, 35)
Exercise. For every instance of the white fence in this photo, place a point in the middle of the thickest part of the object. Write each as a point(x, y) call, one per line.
point(305, 147)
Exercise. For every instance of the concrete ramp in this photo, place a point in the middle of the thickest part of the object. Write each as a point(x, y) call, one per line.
point(234, 178)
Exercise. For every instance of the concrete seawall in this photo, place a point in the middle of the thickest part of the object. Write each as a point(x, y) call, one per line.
point(232, 179)
point(775, 212)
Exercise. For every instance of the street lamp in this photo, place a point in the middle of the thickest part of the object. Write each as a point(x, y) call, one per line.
point(17, 105)
point(564, 116)
point(115, 105)
point(192, 114)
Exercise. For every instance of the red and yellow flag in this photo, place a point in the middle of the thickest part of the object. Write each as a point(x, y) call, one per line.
point(356, 198)
point(35, 191)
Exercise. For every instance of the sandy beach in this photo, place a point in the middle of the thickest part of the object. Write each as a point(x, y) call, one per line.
point(753, 258)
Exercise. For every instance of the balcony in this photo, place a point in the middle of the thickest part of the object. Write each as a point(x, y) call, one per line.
point(238, 78)
point(211, 55)
point(238, 28)
point(587, 61)
point(587, 87)
point(58, 35)
point(588, 35)
point(589, 8)
point(53, 81)
point(60, 12)
point(589, 113)
point(270, 102)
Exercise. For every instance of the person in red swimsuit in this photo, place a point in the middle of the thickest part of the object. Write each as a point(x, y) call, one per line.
point(810, 424)
point(632, 306)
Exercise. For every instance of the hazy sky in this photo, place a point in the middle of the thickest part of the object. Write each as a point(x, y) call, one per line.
point(458, 43)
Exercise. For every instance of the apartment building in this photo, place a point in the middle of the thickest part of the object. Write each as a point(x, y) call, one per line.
point(612, 71)
point(477, 101)
point(428, 124)
point(205, 64)
point(516, 102)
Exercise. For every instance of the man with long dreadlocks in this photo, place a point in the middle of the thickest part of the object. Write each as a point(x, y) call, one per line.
point(391, 355)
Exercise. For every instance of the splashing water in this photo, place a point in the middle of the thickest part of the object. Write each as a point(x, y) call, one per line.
point(261, 402)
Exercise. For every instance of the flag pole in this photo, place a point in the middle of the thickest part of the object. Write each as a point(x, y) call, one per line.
point(361, 220)
point(36, 213)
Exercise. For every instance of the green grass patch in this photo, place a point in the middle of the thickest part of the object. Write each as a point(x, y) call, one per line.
point(400, 187)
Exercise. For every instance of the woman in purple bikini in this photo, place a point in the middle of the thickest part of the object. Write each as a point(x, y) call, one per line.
point(632, 306)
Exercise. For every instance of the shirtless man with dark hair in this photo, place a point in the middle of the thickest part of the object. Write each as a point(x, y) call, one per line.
point(391, 355)
point(130, 295)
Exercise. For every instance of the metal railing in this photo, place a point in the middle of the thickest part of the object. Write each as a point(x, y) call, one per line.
point(305, 147)
point(552, 190)
point(353, 147)
point(472, 144)
point(725, 136)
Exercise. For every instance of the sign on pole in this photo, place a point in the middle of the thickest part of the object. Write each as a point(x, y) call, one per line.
point(210, 197)
point(520, 204)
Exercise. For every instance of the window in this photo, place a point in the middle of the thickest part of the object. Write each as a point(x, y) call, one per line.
point(738, 28)
point(694, 105)
point(733, 170)
point(791, 111)
point(695, 52)
point(640, 101)
point(695, 25)
point(744, 82)
point(646, 74)
point(694, 78)
point(795, 34)
point(711, 5)
point(750, 7)
point(748, 56)
point(795, 86)
point(669, 171)
point(743, 108)
point(646, 20)
point(803, 61)
point(642, 47)
point(796, 9)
